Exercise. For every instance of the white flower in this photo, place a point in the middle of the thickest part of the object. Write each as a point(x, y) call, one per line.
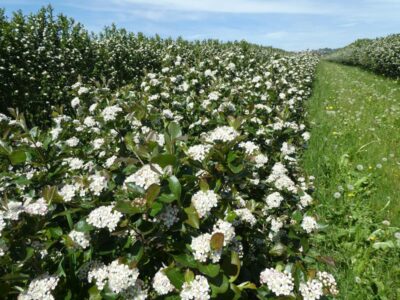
point(306, 136)
point(75, 102)
point(121, 277)
point(197, 289)
point(74, 163)
point(72, 142)
point(245, 215)
point(305, 200)
point(309, 224)
point(110, 112)
point(39, 207)
point(104, 217)
point(199, 152)
point(273, 200)
point(110, 161)
point(68, 192)
point(312, 290)
point(14, 209)
point(203, 202)
point(118, 276)
point(260, 160)
point(161, 283)
point(97, 143)
point(89, 121)
point(83, 90)
point(201, 247)
point(281, 284)
point(40, 288)
point(328, 281)
point(145, 176)
point(276, 225)
point(223, 134)
point(97, 184)
point(81, 239)
point(55, 132)
point(2, 222)
point(213, 96)
point(226, 229)
point(249, 147)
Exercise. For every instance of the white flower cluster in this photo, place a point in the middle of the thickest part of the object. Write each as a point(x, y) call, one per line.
point(201, 245)
point(40, 288)
point(309, 224)
point(222, 134)
point(197, 289)
point(161, 283)
point(273, 200)
point(68, 192)
point(110, 112)
point(199, 152)
point(203, 202)
point(118, 276)
point(312, 290)
point(305, 200)
point(260, 160)
point(145, 176)
point(104, 217)
point(80, 239)
point(280, 179)
point(280, 283)
point(329, 282)
point(97, 184)
point(245, 215)
point(39, 207)
point(249, 147)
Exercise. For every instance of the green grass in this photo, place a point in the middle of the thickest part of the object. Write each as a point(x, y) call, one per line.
point(355, 151)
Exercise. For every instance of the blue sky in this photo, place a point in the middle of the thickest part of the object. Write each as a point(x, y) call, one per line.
point(287, 24)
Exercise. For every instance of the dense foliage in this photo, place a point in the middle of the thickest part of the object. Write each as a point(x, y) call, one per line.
point(181, 184)
point(42, 55)
point(381, 55)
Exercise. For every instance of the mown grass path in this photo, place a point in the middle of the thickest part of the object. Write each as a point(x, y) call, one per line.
point(354, 153)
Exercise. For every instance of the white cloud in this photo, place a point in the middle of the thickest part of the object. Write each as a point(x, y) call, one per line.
point(234, 6)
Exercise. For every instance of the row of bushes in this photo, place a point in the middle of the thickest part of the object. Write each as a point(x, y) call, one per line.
point(381, 55)
point(183, 184)
point(42, 55)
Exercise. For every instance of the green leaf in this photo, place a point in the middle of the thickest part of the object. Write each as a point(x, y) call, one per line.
point(189, 275)
point(175, 187)
point(167, 198)
point(16, 157)
point(185, 260)
point(126, 207)
point(164, 160)
point(247, 285)
point(193, 217)
point(219, 285)
point(232, 266)
point(217, 241)
point(94, 293)
point(175, 276)
point(210, 270)
point(50, 194)
point(174, 130)
point(152, 192)
point(83, 226)
point(156, 208)
point(204, 185)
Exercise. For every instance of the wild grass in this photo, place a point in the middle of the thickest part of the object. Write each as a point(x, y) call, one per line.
point(354, 153)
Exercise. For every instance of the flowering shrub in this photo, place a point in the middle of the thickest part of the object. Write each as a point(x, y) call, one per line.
point(381, 55)
point(183, 186)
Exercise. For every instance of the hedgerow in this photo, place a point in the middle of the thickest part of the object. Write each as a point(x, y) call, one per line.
point(381, 55)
